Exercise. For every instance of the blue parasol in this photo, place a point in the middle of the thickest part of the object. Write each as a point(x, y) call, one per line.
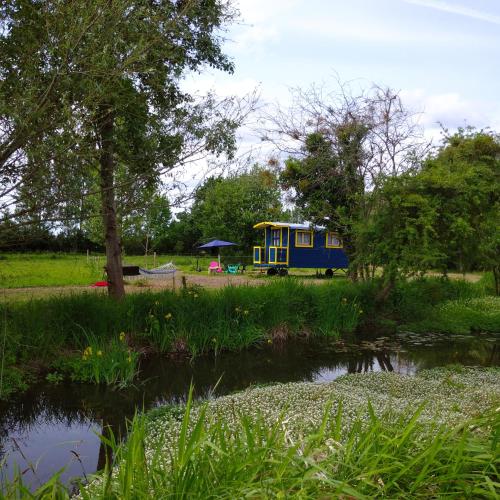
point(218, 244)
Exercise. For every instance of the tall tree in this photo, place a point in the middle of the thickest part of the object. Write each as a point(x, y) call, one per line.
point(340, 146)
point(103, 82)
point(228, 207)
point(399, 237)
point(445, 215)
point(147, 227)
point(463, 179)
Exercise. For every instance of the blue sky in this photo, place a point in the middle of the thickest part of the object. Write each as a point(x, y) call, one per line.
point(442, 55)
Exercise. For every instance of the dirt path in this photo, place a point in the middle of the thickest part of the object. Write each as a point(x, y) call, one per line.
point(158, 284)
point(136, 285)
point(473, 278)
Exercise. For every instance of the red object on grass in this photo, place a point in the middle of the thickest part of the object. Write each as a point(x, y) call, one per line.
point(99, 283)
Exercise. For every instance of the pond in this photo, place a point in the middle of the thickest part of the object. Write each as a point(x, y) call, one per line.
point(55, 426)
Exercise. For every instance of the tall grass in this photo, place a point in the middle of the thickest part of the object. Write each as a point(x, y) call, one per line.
point(442, 305)
point(340, 458)
point(231, 317)
point(110, 363)
point(413, 300)
point(462, 316)
point(194, 320)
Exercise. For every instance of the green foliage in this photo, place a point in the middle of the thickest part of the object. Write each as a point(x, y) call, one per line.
point(327, 182)
point(462, 316)
point(463, 180)
point(54, 378)
point(194, 320)
point(330, 448)
point(445, 215)
point(189, 322)
point(237, 317)
point(146, 227)
point(414, 300)
point(227, 208)
point(13, 379)
point(124, 57)
point(401, 237)
point(487, 283)
point(95, 116)
point(110, 363)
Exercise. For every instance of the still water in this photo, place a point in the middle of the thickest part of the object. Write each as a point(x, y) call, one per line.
point(55, 426)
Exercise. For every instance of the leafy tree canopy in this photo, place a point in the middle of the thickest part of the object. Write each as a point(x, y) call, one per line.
point(228, 207)
point(91, 89)
point(446, 215)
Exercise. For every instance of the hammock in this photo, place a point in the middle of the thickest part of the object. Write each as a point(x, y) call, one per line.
point(159, 271)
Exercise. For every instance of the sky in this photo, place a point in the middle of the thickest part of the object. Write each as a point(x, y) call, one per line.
point(443, 56)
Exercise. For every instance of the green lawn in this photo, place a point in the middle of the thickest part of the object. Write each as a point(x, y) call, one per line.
point(68, 269)
point(62, 269)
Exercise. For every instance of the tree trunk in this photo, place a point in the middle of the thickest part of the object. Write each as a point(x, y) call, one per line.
point(384, 293)
point(389, 284)
point(114, 271)
point(146, 249)
point(496, 276)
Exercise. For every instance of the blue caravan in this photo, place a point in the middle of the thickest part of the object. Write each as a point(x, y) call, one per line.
point(298, 245)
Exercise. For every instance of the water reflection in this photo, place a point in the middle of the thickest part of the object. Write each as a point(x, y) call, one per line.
point(52, 426)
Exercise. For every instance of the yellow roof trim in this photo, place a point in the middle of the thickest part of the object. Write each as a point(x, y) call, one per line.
point(263, 224)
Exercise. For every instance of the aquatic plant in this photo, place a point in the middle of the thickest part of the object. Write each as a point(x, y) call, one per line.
point(361, 436)
point(113, 362)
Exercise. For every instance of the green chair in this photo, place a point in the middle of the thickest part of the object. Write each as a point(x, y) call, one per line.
point(232, 268)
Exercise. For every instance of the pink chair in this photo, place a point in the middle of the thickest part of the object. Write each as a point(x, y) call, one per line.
point(214, 267)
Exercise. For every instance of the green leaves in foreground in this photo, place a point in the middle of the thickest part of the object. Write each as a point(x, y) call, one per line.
point(382, 457)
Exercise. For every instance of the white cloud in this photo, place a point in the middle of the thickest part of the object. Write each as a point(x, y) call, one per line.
point(450, 109)
point(261, 22)
point(220, 83)
point(460, 10)
point(384, 31)
point(258, 11)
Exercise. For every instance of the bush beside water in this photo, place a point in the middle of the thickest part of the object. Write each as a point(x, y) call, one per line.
point(462, 316)
point(110, 363)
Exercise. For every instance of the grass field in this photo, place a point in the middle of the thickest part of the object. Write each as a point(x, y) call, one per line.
point(66, 269)
point(36, 270)
point(30, 270)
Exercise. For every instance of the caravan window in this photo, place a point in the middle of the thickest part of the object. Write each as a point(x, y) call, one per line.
point(275, 237)
point(303, 239)
point(333, 241)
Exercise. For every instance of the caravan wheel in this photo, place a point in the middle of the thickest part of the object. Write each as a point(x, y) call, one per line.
point(272, 271)
point(329, 273)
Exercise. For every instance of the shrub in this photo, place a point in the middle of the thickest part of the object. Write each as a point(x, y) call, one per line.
point(462, 316)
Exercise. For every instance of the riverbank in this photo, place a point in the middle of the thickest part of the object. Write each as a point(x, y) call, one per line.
point(362, 436)
point(90, 338)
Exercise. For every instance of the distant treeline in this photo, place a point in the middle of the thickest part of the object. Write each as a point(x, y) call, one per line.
point(223, 207)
